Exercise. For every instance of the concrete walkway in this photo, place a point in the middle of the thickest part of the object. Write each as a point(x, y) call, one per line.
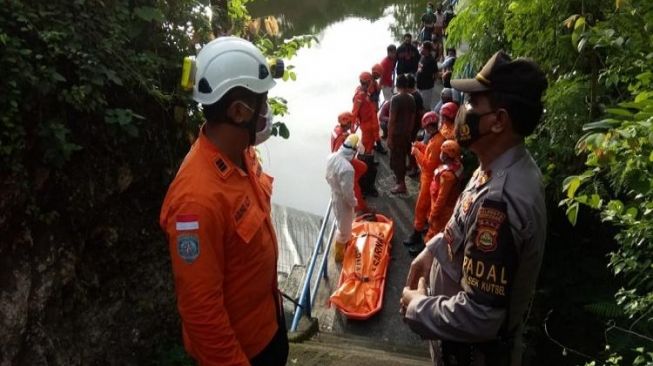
point(387, 327)
point(325, 350)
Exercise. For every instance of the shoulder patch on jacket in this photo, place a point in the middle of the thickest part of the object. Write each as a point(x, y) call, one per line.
point(188, 247)
point(488, 221)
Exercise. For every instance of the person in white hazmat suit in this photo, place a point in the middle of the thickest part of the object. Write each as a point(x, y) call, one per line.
point(340, 176)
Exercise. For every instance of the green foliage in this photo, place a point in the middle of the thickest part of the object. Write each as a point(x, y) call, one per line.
point(93, 126)
point(596, 53)
point(618, 151)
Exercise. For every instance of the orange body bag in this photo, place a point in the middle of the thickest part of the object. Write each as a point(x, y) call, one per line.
point(362, 279)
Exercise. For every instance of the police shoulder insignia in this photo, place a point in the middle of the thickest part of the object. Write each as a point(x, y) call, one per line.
point(468, 199)
point(188, 247)
point(488, 222)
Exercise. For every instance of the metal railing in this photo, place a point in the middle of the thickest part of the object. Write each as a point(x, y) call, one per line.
point(309, 290)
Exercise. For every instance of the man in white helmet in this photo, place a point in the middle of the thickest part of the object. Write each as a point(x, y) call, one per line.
point(216, 215)
point(340, 176)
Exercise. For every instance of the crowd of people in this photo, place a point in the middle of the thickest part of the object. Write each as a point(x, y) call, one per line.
point(469, 286)
point(407, 78)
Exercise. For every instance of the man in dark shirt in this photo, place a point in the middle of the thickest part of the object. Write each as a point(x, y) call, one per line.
point(407, 56)
point(400, 127)
point(428, 23)
point(419, 112)
point(426, 74)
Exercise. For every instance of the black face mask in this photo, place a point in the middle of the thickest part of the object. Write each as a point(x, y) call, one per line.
point(467, 127)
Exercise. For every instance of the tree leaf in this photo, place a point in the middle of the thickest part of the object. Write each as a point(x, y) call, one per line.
point(616, 206)
point(569, 22)
point(58, 77)
point(632, 212)
point(283, 130)
point(572, 213)
point(604, 124)
point(573, 187)
point(579, 28)
point(581, 44)
point(595, 201)
point(619, 112)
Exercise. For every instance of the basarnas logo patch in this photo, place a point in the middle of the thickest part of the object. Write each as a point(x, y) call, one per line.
point(188, 247)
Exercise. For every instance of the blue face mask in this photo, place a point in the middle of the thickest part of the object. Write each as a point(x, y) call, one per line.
point(429, 10)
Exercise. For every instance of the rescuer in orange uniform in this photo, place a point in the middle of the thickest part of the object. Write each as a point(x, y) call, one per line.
point(216, 216)
point(447, 116)
point(338, 137)
point(428, 159)
point(341, 130)
point(375, 94)
point(374, 90)
point(365, 113)
point(445, 188)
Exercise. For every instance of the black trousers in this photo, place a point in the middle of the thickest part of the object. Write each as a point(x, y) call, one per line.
point(276, 352)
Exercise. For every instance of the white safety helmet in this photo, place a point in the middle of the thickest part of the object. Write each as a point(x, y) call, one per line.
point(228, 62)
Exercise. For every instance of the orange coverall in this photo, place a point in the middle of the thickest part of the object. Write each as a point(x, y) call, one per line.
point(444, 194)
point(338, 137)
point(374, 91)
point(365, 112)
point(224, 255)
point(428, 159)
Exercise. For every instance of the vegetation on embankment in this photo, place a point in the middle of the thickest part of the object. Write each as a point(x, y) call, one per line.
point(92, 128)
point(595, 147)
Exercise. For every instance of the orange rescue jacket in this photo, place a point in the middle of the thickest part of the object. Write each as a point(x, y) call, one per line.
point(364, 110)
point(224, 255)
point(444, 194)
point(428, 156)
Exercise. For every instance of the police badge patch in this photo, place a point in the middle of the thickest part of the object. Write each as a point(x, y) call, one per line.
point(488, 222)
point(188, 247)
point(486, 239)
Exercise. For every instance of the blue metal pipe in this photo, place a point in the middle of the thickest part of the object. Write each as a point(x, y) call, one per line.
point(304, 294)
point(322, 270)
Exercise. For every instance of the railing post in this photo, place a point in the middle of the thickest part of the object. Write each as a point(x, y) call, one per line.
point(304, 297)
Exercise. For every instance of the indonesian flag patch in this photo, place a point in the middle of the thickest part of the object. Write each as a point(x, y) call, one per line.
point(188, 242)
point(187, 222)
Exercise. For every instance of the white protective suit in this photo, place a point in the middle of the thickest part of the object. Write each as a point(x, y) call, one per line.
point(340, 176)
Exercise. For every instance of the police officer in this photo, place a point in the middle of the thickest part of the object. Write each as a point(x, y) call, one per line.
point(216, 216)
point(469, 290)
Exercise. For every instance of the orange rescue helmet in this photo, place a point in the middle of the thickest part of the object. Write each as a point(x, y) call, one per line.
point(346, 118)
point(365, 77)
point(429, 118)
point(449, 111)
point(451, 149)
point(377, 70)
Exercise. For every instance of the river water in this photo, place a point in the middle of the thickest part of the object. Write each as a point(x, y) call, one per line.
point(352, 37)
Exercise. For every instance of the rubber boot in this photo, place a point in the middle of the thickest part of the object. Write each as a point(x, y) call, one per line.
point(338, 251)
point(367, 180)
point(414, 238)
point(378, 147)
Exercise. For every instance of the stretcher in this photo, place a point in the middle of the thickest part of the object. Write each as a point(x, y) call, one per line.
point(362, 279)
